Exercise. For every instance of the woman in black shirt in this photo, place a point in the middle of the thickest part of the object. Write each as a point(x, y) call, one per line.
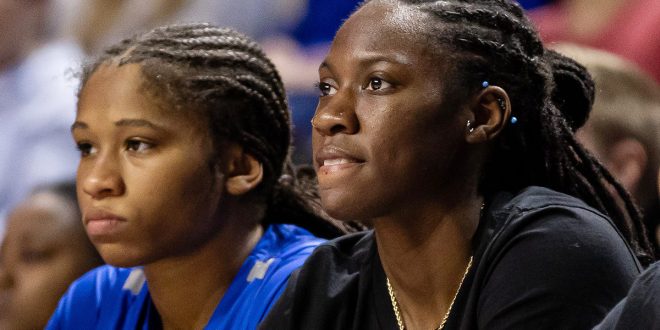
point(449, 127)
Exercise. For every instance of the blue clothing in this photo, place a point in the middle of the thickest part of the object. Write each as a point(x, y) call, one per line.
point(118, 298)
point(531, 4)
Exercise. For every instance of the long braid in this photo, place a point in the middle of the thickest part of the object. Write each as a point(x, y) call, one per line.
point(227, 78)
point(551, 96)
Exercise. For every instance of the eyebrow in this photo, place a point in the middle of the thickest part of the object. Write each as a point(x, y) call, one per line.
point(371, 58)
point(138, 123)
point(122, 123)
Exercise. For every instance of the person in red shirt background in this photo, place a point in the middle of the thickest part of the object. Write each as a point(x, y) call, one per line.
point(629, 28)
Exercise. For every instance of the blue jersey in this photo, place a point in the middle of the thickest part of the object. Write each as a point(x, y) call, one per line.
point(118, 298)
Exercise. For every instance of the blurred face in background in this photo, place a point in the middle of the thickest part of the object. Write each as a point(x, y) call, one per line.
point(44, 250)
point(21, 24)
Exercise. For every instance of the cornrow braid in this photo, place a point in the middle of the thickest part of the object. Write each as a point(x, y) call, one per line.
point(551, 96)
point(226, 77)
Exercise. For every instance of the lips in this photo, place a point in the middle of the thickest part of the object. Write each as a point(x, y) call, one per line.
point(102, 224)
point(332, 161)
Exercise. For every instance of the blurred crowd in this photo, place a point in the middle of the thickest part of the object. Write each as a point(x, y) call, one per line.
point(43, 43)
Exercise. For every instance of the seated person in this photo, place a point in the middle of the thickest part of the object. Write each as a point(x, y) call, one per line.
point(448, 126)
point(185, 185)
point(44, 249)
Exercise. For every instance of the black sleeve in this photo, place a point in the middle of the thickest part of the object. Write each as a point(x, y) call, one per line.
point(641, 308)
point(559, 268)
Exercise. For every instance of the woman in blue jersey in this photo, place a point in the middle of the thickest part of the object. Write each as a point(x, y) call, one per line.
point(185, 185)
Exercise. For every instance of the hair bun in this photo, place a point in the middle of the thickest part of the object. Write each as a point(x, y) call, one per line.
point(574, 88)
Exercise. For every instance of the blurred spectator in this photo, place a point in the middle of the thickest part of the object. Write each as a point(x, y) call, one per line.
point(103, 22)
point(630, 28)
point(37, 102)
point(44, 250)
point(623, 130)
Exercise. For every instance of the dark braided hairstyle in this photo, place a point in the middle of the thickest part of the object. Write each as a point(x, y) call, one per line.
point(226, 78)
point(551, 96)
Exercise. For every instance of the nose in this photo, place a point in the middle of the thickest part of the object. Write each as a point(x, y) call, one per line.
point(100, 177)
point(336, 115)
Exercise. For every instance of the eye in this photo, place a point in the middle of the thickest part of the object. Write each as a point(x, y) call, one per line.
point(138, 145)
point(377, 84)
point(85, 149)
point(326, 89)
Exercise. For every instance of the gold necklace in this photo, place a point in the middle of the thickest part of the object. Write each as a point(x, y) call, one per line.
point(395, 303)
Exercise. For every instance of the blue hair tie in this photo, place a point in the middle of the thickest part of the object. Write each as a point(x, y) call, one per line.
point(485, 84)
point(514, 119)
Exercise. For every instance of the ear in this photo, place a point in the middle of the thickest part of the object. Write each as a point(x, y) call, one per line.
point(627, 159)
point(242, 171)
point(488, 115)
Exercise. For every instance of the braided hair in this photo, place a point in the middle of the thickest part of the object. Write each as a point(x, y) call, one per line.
point(551, 96)
point(226, 78)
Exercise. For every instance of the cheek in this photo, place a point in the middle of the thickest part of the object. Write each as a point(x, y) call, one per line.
point(173, 206)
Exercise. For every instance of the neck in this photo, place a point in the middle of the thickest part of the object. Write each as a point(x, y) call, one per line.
point(186, 289)
point(425, 255)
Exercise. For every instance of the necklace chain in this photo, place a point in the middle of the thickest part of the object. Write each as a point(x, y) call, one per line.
point(395, 303)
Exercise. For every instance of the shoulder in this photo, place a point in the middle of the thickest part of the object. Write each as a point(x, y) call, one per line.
point(285, 248)
point(294, 246)
point(551, 255)
point(285, 240)
point(336, 263)
point(101, 292)
point(261, 280)
point(555, 226)
point(343, 255)
point(555, 215)
point(327, 285)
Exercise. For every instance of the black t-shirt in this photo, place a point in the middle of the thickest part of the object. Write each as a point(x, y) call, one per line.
point(641, 307)
point(542, 260)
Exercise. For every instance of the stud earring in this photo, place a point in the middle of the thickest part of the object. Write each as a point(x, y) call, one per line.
point(485, 84)
point(501, 103)
point(514, 120)
point(469, 124)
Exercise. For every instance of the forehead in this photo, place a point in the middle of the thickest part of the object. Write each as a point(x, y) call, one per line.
point(388, 29)
point(116, 92)
point(110, 84)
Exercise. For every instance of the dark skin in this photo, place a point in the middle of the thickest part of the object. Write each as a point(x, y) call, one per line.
point(149, 195)
point(390, 149)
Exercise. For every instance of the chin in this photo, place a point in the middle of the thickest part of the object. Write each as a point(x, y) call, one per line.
point(119, 256)
point(344, 209)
